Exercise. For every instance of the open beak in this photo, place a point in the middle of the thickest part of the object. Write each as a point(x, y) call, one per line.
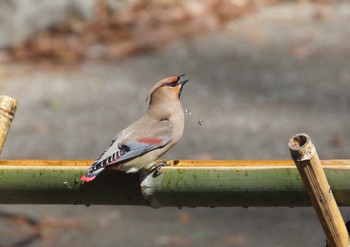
point(181, 83)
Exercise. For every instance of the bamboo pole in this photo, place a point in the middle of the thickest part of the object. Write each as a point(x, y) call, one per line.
point(58, 182)
point(306, 159)
point(185, 183)
point(8, 108)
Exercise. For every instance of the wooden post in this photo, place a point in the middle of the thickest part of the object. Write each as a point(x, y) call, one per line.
point(8, 108)
point(309, 166)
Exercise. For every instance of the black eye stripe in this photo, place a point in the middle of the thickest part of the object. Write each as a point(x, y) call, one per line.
point(171, 84)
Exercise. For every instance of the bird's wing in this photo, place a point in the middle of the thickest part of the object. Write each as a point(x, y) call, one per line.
point(133, 144)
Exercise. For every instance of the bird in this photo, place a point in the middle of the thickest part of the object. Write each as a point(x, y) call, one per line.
point(138, 146)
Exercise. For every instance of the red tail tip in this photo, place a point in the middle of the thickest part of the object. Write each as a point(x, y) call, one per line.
point(87, 179)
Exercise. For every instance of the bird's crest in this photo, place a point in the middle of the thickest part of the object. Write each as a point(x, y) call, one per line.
point(166, 81)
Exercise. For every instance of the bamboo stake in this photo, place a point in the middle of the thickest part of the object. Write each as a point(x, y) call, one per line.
point(8, 108)
point(309, 166)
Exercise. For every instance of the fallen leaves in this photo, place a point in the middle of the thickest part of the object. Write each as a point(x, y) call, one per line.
point(141, 26)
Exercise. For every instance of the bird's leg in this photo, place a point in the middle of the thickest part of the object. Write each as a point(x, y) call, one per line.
point(158, 166)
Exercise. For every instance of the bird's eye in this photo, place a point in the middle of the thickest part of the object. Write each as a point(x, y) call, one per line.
point(172, 84)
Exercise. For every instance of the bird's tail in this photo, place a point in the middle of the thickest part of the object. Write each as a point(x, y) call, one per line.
point(91, 173)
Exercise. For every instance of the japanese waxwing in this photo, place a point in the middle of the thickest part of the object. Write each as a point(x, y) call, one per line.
point(139, 145)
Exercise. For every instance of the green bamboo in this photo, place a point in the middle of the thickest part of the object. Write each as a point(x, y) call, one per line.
point(183, 184)
point(240, 185)
point(58, 182)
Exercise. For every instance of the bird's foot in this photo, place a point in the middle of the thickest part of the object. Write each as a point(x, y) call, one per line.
point(157, 168)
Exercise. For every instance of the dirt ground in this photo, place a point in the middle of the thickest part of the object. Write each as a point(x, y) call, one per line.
point(254, 84)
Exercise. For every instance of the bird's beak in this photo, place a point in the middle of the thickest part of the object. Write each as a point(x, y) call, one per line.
point(180, 84)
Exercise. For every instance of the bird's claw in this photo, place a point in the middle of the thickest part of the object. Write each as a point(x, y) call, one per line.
point(157, 168)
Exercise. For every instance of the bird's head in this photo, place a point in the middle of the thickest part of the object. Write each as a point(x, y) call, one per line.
point(170, 87)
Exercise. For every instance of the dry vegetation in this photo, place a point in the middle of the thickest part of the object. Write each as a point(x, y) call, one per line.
point(141, 26)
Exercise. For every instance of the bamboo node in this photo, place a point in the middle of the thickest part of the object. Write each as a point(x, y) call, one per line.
point(301, 147)
point(8, 107)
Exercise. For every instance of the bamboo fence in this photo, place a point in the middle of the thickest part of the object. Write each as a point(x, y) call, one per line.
point(187, 183)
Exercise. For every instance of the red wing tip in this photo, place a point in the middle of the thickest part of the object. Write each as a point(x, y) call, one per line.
point(150, 140)
point(87, 179)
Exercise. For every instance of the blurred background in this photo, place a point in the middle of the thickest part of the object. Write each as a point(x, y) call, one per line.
point(260, 71)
